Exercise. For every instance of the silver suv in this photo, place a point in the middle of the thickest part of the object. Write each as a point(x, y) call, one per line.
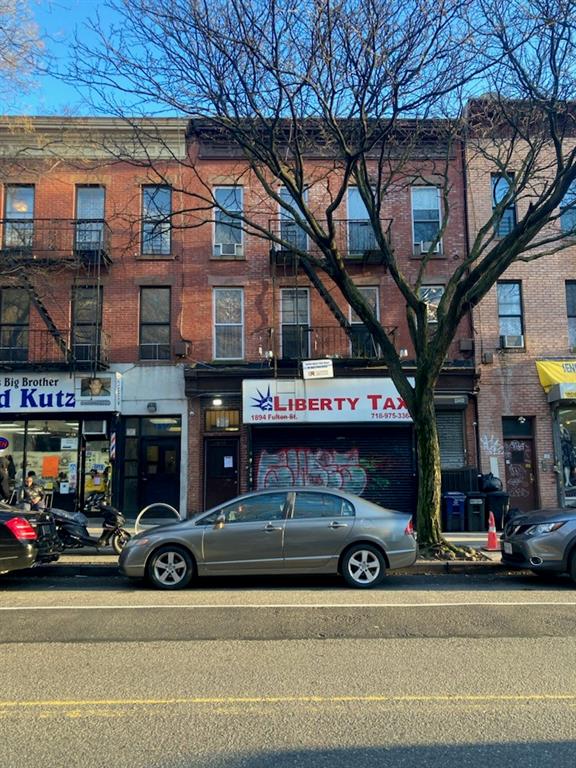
point(543, 541)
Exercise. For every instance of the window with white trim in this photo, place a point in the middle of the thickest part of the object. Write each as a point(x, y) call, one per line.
point(500, 187)
point(228, 235)
point(425, 218)
point(361, 237)
point(295, 322)
point(228, 323)
point(568, 211)
point(19, 216)
point(290, 232)
point(156, 220)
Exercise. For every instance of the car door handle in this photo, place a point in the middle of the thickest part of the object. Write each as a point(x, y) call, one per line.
point(336, 524)
point(270, 527)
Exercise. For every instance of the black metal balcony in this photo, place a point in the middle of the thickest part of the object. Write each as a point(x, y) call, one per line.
point(25, 348)
point(302, 342)
point(354, 238)
point(55, 241)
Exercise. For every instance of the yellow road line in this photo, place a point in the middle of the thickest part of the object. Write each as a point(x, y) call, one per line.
point(462, 698)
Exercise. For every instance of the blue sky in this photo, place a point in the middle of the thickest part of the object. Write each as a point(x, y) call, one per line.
point(57, 20)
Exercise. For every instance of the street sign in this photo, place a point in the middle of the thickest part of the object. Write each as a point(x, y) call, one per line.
point(317, 369)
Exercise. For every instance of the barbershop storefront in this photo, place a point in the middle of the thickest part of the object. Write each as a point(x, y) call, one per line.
point(63, 428)
point(351, 434)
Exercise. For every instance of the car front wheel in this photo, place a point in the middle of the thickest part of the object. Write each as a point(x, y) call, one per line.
point(363, 566)
point(170, 567)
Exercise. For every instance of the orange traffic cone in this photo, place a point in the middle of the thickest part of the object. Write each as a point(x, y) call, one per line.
point(492, 545)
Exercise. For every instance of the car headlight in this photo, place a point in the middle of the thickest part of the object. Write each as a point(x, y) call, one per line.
point(537, 530)
point(134, 542)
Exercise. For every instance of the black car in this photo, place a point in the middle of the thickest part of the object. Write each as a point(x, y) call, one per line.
point(26, 538)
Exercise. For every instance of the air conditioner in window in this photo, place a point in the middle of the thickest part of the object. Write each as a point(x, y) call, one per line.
point(228, 249)
point(512, 342)
point(95, 427)
point(425, 246)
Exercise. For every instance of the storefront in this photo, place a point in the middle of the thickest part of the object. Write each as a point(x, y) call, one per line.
point(351, 434)
point(558, 378)
point(62, 428)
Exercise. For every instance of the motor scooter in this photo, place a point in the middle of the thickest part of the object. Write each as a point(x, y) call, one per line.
point(72, 529)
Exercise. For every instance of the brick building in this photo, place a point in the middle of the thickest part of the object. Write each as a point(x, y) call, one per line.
point(525, 337)
point(196, 331)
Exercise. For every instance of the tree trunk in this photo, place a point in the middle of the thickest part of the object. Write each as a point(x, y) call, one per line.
point(429, 477)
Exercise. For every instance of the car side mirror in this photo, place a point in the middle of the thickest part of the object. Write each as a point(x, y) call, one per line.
point(220, 520)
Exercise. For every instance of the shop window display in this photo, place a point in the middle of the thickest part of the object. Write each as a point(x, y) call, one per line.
point(567, 427)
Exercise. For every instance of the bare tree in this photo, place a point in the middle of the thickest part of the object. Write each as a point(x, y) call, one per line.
point(375, 88)
point(20, 46)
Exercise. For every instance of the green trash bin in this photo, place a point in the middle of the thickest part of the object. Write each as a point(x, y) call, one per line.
point(476, 511)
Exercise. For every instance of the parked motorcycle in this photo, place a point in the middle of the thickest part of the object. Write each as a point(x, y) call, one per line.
point(72, 529)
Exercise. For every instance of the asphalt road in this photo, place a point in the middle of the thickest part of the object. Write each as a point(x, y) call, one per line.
point(429, 670)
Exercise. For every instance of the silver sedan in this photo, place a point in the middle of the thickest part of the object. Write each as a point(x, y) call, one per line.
point(293, 530)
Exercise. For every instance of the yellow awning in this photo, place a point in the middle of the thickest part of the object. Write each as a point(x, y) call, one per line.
point(552, 372)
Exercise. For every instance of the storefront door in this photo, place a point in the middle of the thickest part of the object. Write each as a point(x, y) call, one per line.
point(221, 471)
point(520, 476)
point(160, 471)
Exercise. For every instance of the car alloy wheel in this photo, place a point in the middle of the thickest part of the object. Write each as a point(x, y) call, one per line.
point(170, 567)
point(363, 566)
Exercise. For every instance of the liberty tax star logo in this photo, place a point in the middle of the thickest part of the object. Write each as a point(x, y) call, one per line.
point(264, 402)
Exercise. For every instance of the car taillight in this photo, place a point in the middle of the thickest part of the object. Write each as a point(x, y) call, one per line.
point(21, 528)
point(409, 530)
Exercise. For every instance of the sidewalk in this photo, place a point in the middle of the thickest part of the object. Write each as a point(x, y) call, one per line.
point(91, 556)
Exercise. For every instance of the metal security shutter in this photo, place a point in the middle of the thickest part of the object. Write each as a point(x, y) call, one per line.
point(451, 436)
point(375, 463)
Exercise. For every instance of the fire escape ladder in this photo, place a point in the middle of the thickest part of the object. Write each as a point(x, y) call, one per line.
point(45, 315)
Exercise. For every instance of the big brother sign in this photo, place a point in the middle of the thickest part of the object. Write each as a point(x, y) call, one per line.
point(42, 393)
point(297, 401)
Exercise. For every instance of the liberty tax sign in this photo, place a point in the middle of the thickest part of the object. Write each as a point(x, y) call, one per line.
point(294, 401)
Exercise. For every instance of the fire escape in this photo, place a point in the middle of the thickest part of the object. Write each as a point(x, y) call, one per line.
point(46, 258)
point(345, 339)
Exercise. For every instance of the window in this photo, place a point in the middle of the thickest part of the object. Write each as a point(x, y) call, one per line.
point(309, 505)
point(255, 509)
point(228, 323)
point(155, 323)
point(425, 217)
point(89, 218)
point(362, 344)
point(510, 319)
point(361, 237)
point(568, 211)
point(156, 222)
point(227, 228)
point(431, 296)
point(86, 322)
point(19, 215)
point(295, 323)
point(571, 312)
point(216, 420)
point(290, 232)
point(500, 187)
point(14, 316)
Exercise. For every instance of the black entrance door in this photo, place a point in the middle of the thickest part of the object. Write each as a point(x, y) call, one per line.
point(221, 471)
point(160, 471)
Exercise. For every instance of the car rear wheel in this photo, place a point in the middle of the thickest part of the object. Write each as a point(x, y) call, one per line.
point(363, 566)
point(170, 567)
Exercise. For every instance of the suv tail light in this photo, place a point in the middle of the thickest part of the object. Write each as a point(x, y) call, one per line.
point(409, 530)
point(21, 528)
